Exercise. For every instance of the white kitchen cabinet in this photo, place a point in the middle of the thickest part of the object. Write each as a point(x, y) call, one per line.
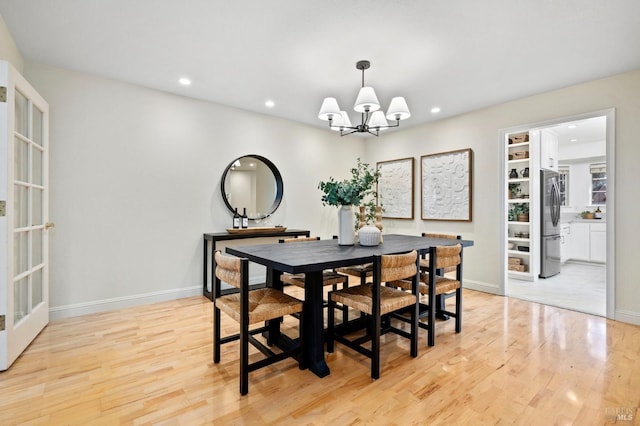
point(548, 150)
point(580, 247)
point(598, 242)
point(588, 242)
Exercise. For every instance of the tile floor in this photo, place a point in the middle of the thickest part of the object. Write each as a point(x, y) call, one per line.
point(579, 287)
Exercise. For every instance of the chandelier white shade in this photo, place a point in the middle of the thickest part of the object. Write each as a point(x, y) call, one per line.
point(372, 119)
point(329, 109)
point(398, 109)
point(341, 121)
point(367, 101)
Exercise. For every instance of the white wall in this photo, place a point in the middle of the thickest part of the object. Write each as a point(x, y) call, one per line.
point(479, 130)
point(135, 182)
point(8, 50)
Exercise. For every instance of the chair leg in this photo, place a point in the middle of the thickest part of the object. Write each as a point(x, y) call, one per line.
point(330, 323)
point(414, 329)
point(302, 363)
point(216, 334)
point(458, 310)
point(244, 359)
point(431, 326)
point(345, 309)
point(375, 347)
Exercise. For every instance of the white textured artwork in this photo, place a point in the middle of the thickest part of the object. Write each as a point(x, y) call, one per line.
point(446, 186)
point(395, 188)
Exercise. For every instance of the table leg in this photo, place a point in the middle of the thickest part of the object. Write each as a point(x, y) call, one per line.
point(313, 323)
point(440, 307)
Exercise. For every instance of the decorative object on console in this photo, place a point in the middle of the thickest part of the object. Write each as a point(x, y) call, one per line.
point(372, 120)
point(348, 193)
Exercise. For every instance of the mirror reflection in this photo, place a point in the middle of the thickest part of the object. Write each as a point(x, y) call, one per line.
point(252, 182)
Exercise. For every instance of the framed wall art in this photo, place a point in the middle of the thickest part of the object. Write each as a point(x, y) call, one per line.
point(395, 188)
point(446, 185)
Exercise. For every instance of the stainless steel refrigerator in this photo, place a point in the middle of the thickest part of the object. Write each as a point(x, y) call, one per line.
point(550, 226)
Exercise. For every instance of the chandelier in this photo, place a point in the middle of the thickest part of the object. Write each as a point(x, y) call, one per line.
point(372, 120)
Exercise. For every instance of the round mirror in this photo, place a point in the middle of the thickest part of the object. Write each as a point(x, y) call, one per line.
point(254, 183)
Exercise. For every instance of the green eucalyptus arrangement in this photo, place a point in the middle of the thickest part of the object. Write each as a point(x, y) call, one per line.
point(351, 192)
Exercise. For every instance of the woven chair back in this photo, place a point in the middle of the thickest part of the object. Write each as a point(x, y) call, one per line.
point(448, 236)
point(228, 269)
point(448, 256)
point(398, 266)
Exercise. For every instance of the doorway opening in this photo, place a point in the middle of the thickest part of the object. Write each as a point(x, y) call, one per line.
point(585, 166)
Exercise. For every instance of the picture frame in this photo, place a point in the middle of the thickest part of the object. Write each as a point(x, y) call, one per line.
point(395, 188)
point(447, 192)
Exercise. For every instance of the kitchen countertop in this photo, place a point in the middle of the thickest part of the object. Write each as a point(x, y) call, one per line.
point(586, 220)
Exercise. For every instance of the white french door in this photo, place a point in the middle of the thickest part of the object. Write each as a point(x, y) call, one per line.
point(24, 251)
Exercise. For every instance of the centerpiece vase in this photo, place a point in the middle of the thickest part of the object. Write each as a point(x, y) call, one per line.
point(369, 235)
point(346, 235)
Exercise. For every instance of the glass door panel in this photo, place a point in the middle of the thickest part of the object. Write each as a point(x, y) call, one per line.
point(21, 160)
point(36, 287)
point(36, 207)
point(36, 165)
point(37, 129)
point(36, 248)
point(20, 252)
point(21, 204)
point(21, 114)
point(20, 299)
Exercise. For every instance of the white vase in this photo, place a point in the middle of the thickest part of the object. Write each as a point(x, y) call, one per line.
point(369, 235)
point(346, 235)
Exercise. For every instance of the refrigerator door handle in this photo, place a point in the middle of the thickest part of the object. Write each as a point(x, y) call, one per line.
point(555, 204)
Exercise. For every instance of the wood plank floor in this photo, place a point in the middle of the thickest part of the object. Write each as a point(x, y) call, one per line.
point(515, 362)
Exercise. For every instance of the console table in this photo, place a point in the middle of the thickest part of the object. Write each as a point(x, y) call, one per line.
point(210, 241)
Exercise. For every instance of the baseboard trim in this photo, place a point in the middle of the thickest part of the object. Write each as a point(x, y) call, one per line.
point(630, 317)
point(481, 286)
point(96, 306)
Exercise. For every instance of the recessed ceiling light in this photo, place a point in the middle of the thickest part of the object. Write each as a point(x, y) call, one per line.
point(573, 140)
point(571, 126)
point(184, 81)
point(435, 110)
point(269, 103)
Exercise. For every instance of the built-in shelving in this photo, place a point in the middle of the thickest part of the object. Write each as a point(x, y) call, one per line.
point(519, 190)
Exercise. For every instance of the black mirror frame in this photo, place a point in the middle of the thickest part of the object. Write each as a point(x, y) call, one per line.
point(276, 174)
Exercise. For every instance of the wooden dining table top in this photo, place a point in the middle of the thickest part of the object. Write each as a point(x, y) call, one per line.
point(310, 256)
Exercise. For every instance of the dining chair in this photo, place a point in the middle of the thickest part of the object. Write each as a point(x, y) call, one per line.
point(250, 307)
point(432, 285)
point(329, 278)
point(377, 301)
point(361, 271)
point(424, 267)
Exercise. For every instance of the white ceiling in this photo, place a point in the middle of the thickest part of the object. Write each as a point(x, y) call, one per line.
point(459, 55)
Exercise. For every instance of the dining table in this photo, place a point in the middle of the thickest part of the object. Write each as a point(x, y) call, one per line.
point(313, 257)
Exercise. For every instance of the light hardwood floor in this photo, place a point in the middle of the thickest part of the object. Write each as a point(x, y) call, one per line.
point(514, 362)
